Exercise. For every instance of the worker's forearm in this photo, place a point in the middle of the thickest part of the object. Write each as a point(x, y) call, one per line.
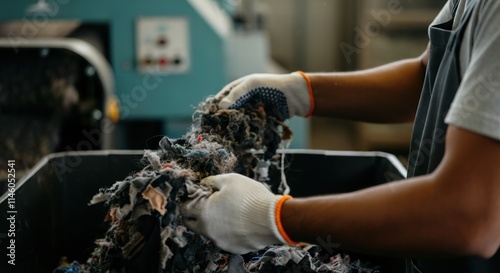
point(385, 219)
point(385, 94)
point(424, 216)
point(451, 211)
point(454, 210)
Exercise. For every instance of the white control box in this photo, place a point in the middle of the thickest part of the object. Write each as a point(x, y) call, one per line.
point(162, 45)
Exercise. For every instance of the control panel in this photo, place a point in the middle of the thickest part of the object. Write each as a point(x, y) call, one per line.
point(162, 45)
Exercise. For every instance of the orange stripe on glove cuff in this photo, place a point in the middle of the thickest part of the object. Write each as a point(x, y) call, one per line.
point(310, 90)
point(279, 225)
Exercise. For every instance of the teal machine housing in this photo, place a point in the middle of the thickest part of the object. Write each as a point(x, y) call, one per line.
point(168, 97)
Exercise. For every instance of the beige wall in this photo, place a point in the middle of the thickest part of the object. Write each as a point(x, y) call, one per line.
point(305, 34)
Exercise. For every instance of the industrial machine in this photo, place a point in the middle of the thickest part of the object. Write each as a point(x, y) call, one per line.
point(165, 56)
point(55, 94)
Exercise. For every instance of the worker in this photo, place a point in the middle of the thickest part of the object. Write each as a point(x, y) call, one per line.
point(445, 217)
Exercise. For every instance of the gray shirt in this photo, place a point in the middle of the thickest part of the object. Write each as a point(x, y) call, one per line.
point(476, 106)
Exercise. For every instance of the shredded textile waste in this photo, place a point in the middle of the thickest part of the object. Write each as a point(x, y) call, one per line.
point(147, 233)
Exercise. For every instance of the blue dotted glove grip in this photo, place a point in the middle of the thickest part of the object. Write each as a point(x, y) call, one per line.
point(274, 101)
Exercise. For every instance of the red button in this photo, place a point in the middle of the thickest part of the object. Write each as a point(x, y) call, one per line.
point(162, 61)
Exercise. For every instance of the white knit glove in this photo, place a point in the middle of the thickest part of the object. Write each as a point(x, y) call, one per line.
point(238, 217)
point(285, 95)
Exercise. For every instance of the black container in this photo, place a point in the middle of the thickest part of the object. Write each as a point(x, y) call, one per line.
point(53, 219)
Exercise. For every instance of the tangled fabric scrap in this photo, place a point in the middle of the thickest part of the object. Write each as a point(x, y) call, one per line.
point(147, 234)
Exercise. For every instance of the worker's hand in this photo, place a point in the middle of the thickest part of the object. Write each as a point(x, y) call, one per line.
point(238, 217)
point(286, 95)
